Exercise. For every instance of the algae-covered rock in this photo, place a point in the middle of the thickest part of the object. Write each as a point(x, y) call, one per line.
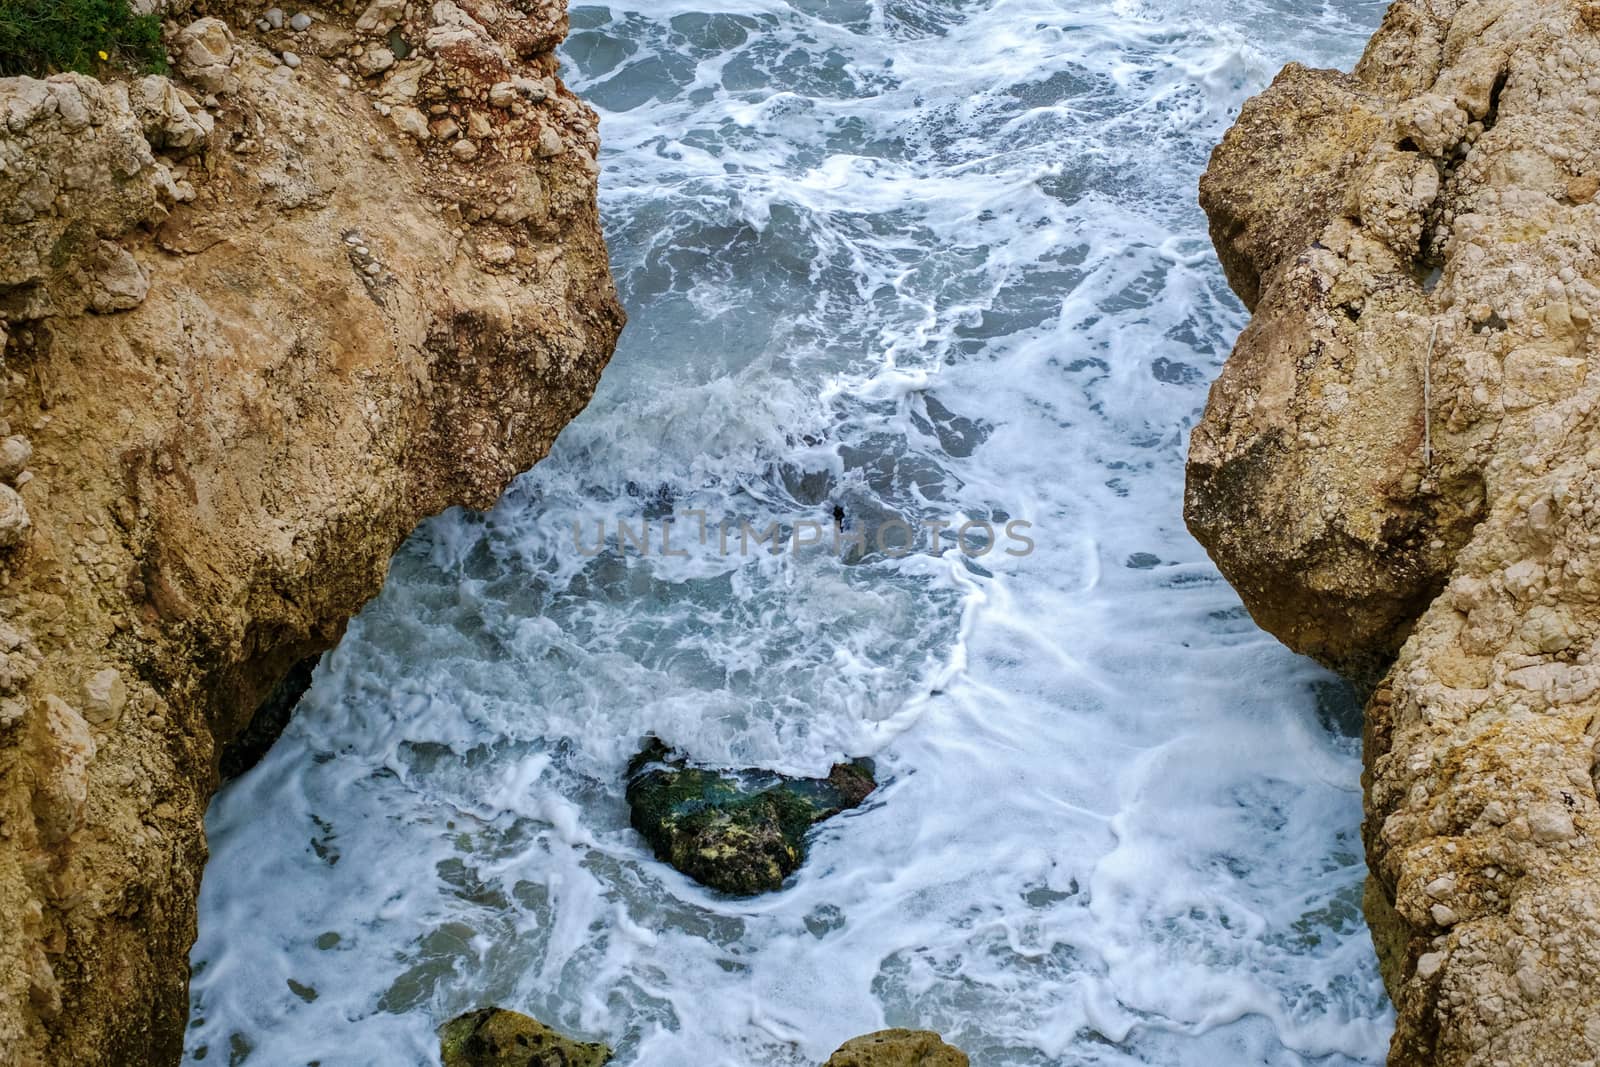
point(494, 1037)
point(742, 832)
point(898, 1048)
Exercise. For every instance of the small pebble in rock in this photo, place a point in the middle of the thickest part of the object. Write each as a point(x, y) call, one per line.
point(352, 239)
point(363, 250)
point(300, 23)
point(291, 60)
point(374, 269)
point(263, 25)
point(344, 81)
point(464, 150)
point(274, 17)
point(15, 455)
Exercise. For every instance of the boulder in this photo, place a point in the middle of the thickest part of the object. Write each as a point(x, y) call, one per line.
point(295, 367)
point(739, 832)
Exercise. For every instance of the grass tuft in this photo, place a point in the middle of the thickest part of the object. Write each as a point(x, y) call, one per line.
point(42, 37)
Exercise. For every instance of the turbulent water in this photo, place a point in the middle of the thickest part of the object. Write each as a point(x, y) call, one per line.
point(907, 259)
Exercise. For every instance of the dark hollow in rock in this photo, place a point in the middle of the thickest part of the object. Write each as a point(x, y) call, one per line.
point(495, 1037)
point(270, 720)
point(742, 832)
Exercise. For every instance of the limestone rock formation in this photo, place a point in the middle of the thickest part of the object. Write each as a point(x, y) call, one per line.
point(252, 330)
point(740, 832)
point(1399, 469)
point(495, 1037)
point(898, 1048)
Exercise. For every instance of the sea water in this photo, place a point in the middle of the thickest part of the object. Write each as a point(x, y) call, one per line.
point(884, 260)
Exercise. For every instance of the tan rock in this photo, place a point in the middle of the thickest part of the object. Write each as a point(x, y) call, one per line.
point(380, 15)
point(104, 697)
point(171, 118)
point(1399, 470)
point(116, 281)
point(303, 364)
point(898, 1048)
point(14, 521)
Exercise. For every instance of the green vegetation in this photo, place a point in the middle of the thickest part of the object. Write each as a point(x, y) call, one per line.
point(41, 37)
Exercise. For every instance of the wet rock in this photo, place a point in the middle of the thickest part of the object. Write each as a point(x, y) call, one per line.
point(740, 832)
point(898, 1048)
point(494, 1037)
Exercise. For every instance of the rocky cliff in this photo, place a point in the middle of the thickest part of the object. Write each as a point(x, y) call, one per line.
point(1399, 469)
point(341, 270)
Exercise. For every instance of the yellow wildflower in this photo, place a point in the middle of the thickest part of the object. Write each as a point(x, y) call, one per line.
point(103, 56)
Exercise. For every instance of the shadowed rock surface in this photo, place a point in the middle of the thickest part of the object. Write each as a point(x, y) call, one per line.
point(1399, 470)
point(255, 324)
point(741, 832)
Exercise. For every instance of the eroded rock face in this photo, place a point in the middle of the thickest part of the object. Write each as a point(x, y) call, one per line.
point(252, 332)
point(1400, 471)
point(741, 832)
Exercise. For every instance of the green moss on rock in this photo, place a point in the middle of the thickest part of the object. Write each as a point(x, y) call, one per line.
point(742, 832)
point(494, 1037)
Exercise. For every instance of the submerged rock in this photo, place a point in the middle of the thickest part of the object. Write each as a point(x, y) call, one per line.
point(898, 1048)
point(741, 832)
point(494, 1037)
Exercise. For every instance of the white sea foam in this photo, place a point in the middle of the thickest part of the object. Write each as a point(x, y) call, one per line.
point(917, 260)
